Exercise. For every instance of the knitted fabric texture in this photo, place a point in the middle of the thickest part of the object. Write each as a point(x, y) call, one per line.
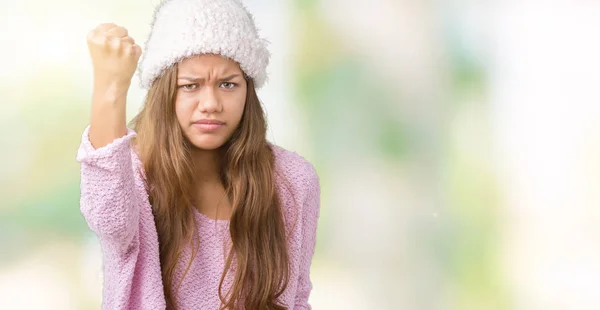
point(184, 28)
point(115, 206)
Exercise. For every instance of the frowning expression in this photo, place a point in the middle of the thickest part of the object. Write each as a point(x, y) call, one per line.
point(210, 99)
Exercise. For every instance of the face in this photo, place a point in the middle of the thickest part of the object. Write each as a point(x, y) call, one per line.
point(211, 94)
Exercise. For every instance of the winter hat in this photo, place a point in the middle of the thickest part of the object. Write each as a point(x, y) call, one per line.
point(184, 28)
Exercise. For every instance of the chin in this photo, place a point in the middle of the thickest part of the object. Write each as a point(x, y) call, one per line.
point(208, 143)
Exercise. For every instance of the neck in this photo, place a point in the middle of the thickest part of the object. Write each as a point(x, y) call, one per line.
point(206, 166)
point(210, 195)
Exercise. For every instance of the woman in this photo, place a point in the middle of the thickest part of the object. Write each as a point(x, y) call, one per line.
point(193, 208)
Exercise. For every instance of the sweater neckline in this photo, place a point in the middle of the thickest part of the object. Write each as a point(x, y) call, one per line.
point(206, 218)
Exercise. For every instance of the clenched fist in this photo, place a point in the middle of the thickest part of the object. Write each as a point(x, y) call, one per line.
point(114, 55)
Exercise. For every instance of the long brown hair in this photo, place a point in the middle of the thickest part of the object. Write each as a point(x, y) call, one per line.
point(258, 253)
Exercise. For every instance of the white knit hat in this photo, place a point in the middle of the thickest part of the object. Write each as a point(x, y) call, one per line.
point(184, 28)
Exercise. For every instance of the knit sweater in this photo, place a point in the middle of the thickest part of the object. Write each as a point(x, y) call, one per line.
point(115, 206)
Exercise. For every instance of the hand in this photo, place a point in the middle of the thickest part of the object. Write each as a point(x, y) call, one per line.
point(114, 56)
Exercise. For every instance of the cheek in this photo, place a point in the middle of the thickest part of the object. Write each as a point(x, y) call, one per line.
point(183, 111)
point(238, 106)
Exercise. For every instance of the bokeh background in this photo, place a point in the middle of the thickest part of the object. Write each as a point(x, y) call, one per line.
point(457, 143)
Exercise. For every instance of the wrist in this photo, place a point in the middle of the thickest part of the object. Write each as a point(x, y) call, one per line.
point(114, 85)
point(111, 90)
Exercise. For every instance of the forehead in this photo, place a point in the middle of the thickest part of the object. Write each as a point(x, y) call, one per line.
point(208, 64)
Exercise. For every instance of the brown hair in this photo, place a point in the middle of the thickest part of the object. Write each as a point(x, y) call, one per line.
point(258, 253)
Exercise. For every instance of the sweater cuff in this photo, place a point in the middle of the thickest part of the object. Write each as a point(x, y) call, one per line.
point(87, 152)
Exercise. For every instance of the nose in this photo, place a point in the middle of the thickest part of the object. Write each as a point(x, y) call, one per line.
point(208, 101)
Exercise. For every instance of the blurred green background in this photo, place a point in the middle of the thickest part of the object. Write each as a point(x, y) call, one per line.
point(457, 143)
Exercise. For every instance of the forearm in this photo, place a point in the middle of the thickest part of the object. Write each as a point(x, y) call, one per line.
point(108, 115)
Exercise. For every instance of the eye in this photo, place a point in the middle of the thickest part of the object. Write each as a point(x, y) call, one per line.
point(188, 86)
point(228, 85)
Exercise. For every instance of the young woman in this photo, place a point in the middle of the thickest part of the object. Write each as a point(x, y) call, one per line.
point(193, 208)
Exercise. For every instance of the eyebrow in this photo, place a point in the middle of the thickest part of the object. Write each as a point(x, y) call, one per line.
point(195, 80)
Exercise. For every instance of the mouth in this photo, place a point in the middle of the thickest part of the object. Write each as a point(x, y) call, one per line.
point(206, 125)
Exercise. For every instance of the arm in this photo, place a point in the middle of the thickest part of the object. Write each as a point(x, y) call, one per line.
point(108, 191)
point(108, 199)
point(114, 58)
point(310, 217)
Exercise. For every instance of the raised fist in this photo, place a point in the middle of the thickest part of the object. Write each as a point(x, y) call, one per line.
point(114, 55)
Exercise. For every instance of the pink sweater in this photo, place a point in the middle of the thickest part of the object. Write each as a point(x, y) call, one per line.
point(115, 206)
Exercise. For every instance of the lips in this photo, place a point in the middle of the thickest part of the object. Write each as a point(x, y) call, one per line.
point(209, 121)
point(208, 125)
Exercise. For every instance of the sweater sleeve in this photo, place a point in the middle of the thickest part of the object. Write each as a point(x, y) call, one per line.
point(311, 209)
point(108, 192)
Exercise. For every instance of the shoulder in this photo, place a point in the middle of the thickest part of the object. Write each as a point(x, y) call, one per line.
point(294, 168)
point(298, 173)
